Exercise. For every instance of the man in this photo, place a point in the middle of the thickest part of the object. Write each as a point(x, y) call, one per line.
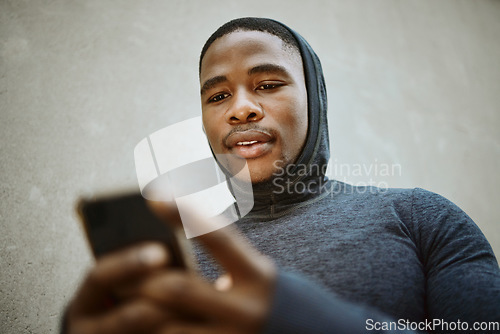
point(375, 255)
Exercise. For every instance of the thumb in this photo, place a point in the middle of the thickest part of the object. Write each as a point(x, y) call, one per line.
point(167, 211)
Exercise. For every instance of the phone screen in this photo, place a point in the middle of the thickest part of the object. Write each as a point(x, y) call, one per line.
point(112, 223)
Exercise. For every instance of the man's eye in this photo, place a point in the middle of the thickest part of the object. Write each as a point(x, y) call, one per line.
point(218, 97)
point(268, 86)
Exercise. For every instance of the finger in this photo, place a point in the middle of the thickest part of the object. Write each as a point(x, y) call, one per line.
point(140, 316)
point(188, 294)
point(223, 283)
point(242, 261)
point(227, 246)
point(115, 269)
point(167, 211)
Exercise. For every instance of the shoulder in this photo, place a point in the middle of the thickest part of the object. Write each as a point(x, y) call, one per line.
point(429, 208)
point(423, 212)
point(371, 197)
point(402, 198)
point(441, 231)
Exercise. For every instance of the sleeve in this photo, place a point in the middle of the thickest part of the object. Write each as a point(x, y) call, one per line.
point(299, 306)
point(463, 277)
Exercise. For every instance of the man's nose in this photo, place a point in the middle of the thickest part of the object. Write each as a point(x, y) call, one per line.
point(244, 109)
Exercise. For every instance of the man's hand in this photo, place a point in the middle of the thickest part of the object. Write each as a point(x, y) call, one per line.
point(239, 302)
point(95, 308)
point(153, 298)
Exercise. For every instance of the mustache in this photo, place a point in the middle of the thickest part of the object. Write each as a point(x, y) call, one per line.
point(252, 126)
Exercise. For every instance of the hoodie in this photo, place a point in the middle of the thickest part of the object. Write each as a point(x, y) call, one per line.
point(352, 259)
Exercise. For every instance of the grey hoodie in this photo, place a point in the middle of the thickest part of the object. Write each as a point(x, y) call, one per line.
point(365, 257)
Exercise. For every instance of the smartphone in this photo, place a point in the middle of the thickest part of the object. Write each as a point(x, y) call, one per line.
point(115, 222)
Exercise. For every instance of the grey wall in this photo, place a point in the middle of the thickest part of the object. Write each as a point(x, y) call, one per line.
point(411, 83)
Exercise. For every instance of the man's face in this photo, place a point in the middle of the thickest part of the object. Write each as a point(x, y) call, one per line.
point(254, 101)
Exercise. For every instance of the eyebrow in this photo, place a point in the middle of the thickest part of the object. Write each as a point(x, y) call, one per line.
point(210, 83)
point(262, 68)
point(269, 68)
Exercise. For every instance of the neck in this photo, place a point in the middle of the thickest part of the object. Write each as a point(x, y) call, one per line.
point(283, 193)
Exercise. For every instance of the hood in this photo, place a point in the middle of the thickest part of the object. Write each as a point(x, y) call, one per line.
point(305, 180)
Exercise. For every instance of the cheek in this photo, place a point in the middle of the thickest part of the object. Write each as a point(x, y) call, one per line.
point(302, 117)
point(296, 127)
point(296, 119)
point(211, 132)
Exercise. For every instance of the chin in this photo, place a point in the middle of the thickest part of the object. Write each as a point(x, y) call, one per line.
point(262, 170)
point(260, 179)
point(265, 171)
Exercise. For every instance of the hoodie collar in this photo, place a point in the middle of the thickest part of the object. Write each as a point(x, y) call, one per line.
point(304, 181)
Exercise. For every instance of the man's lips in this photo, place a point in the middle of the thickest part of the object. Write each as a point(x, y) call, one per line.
point(247, 137)
point(249, 144)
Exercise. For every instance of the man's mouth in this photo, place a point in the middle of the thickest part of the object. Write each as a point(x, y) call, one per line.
point(249, 144)
point(245, 143)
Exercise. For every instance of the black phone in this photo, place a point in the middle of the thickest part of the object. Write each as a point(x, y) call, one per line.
point(114, 222)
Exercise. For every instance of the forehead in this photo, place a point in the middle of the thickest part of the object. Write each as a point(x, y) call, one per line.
point(244, 48)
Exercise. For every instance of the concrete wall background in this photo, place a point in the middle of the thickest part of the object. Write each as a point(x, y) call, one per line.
point(414, 83)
